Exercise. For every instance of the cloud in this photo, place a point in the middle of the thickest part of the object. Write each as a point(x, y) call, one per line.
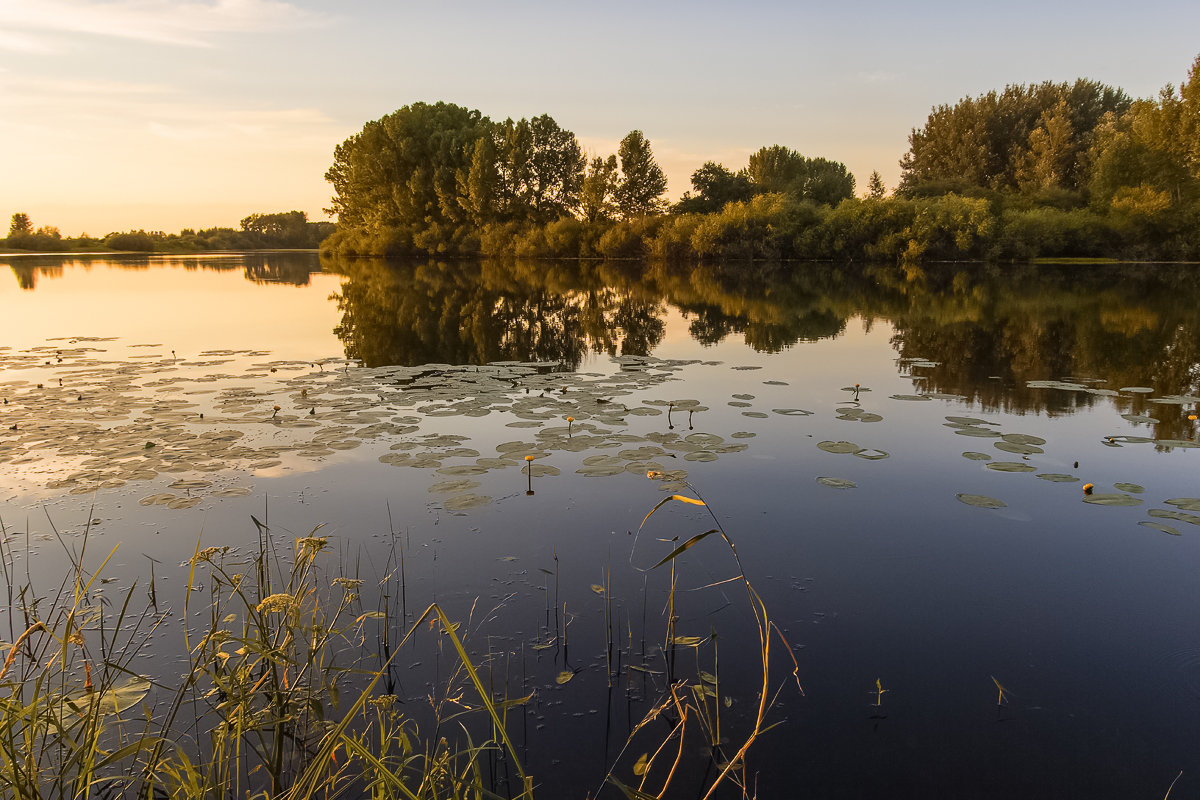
point(186, 23)
point(23, 43)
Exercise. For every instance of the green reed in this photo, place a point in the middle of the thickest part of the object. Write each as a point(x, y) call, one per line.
point(280, 696)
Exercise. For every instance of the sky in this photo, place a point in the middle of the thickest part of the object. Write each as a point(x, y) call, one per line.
point(165, 115)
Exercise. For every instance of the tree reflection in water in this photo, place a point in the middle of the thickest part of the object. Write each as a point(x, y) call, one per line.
point(988, 330)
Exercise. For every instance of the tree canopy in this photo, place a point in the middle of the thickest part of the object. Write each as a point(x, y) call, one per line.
point(1024, 137)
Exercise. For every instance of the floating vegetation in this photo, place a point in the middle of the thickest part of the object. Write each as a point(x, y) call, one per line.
point(839, 447)
point(1057, 477)
point(1128, 439)
point(969, 421)
point(461, 502)
point(1112, 500)
point(837, 483)
point(1011, 466)
point(910, 397)
point(791, 412)
point(1131, 488)
point(1019, 449)
point(982, 433)
point(1186, 503)
point(973, 456)
point(142, 418)
point(1022, 438)
point(461, 485)
point(1158, 526)
point(1178, 516)
point(857, 415)
point(980, 501)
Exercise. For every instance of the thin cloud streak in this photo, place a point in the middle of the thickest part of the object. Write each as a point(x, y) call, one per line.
point(158, 21)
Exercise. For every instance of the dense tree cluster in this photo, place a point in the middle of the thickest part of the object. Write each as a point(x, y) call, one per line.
point(1026, 138)
point(280, 231)
point(442, 178)
point(1049, 170)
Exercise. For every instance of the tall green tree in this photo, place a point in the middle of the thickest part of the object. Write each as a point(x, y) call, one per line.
point(643, 183)
point(714, 185)
point(992, 141)
point(1152, 148)
point(775, 168)
point(480, 191)
point(556, 169)
point(403, 171)
point(598, 199)
point(875, 188)
point(782, 169)
point(20, 224)
point(284, 229)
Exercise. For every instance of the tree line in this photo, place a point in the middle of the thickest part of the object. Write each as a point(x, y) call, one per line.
point(278, 231)
point(1045, 170)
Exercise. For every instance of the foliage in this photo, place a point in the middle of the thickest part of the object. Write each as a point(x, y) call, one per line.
point(713, 185)
point(781, 169)
point(643, 183)
point(875, 188)
point(20, 225)
point(765, 227)
point(1022, 137)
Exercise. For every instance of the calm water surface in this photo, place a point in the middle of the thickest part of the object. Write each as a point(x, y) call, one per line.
point(928, 530)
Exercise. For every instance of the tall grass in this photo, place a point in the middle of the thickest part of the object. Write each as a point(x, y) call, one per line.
point(287, 688)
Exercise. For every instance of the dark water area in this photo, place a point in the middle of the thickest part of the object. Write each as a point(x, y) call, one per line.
point(898, 455)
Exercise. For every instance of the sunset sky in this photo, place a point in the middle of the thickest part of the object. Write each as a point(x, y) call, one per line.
point(164, 115)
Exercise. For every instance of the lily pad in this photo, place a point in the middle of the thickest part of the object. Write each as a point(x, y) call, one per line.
point(1011, 466)
point(837, 483)
point(1111, 500)
point(838, 447)
point(1179, 516)
point(980, 501)
point(871, 454)
point(461, 502)
point(460, 485)
point(910, 397)
point(1186, 503)
point(792, 412)
point(1023, 438)
point(1019, 449)
point(982, 433)
point(1158, 526)
point(969, 421)
point(1132, 488)
point(1057, 477)
point(973, 456)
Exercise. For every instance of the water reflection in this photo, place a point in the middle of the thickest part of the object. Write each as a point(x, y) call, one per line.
point(294, 269)
point(977, 332)
point(974, 331)
point(475, 313)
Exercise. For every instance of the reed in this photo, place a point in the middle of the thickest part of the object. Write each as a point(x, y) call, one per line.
point(280, 696)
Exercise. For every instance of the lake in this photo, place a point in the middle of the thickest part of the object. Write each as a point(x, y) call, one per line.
point(898, 455)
